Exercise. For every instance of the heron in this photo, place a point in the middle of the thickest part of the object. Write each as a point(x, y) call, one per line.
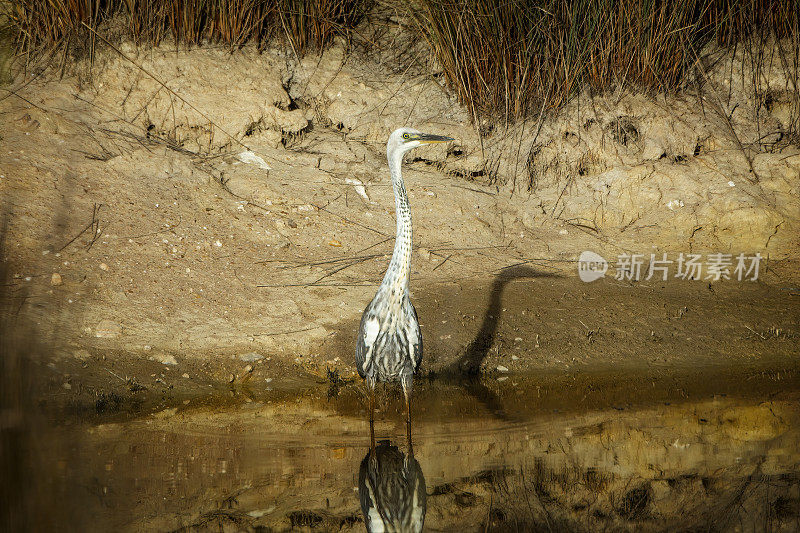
point(389, 345)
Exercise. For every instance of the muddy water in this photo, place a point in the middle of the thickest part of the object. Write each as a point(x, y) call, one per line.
point(709, 449)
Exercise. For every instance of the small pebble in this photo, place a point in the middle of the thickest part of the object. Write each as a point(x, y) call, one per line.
point(334, 242)
point(501, 368)
point(248, 369)
point(165, 359)
point(103, 266)
point(514, 357)
point(55, 279)
point(185, 375)
point(231, 378)
point(66, 386)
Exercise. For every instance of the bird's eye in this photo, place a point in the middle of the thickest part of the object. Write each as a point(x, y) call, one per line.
point(405, 136)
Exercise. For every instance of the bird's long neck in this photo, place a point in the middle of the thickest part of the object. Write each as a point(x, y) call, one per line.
point(397, 276)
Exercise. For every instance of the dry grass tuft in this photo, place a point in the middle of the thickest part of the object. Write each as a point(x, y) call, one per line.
point(503, 59)
point(59, 24)
point(517, 56)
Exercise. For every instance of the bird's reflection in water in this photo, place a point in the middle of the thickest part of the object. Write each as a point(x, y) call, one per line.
point(392, 489)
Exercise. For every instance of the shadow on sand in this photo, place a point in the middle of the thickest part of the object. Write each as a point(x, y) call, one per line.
point(466, 370)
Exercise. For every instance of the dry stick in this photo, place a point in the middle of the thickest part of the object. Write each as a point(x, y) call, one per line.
point(91, 224)
point(351, 221)
point(339, 269)
point(307, 285)
point(14, 93)
point(300, 264)
point(442, 262)
point(282, 332)
point(76, 236)
point(169, 228)
point(721, 110)
point(96, 232)
point(474, 190)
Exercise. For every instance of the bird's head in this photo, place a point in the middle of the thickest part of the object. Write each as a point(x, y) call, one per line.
point(404, 139)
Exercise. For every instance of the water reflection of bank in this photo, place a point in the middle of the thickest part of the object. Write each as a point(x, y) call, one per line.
point(692, 453)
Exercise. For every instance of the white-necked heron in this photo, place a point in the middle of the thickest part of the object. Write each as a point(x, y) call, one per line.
point(389, 346)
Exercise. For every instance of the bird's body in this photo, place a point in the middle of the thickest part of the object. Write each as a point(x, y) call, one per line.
point(389, 345)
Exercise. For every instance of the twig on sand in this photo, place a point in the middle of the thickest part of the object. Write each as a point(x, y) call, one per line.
point(272, 334)
point(165, 230)
point(442, 262)
point(94, 225)
point(307, 285)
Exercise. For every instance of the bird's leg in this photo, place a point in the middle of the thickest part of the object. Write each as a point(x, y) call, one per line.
point(372, 419)
point(408, 419)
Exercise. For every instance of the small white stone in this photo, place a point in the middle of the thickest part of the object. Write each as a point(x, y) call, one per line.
point(103, 266)
point(165, 359)
point(251, 357)
point(501, 368)
point(514, 358)
point(217, 243)
point(731, 184)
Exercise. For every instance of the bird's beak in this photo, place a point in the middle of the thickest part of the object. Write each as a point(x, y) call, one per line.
point(430, 138)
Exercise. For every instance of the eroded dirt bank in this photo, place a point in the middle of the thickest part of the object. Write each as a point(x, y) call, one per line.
point(172, 206)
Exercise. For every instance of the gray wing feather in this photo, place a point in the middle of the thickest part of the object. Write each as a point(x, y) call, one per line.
point(415, 343)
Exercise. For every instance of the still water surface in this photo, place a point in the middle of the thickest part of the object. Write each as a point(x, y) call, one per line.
point(700, 450)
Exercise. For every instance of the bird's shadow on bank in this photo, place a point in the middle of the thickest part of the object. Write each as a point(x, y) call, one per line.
point(465, 371)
